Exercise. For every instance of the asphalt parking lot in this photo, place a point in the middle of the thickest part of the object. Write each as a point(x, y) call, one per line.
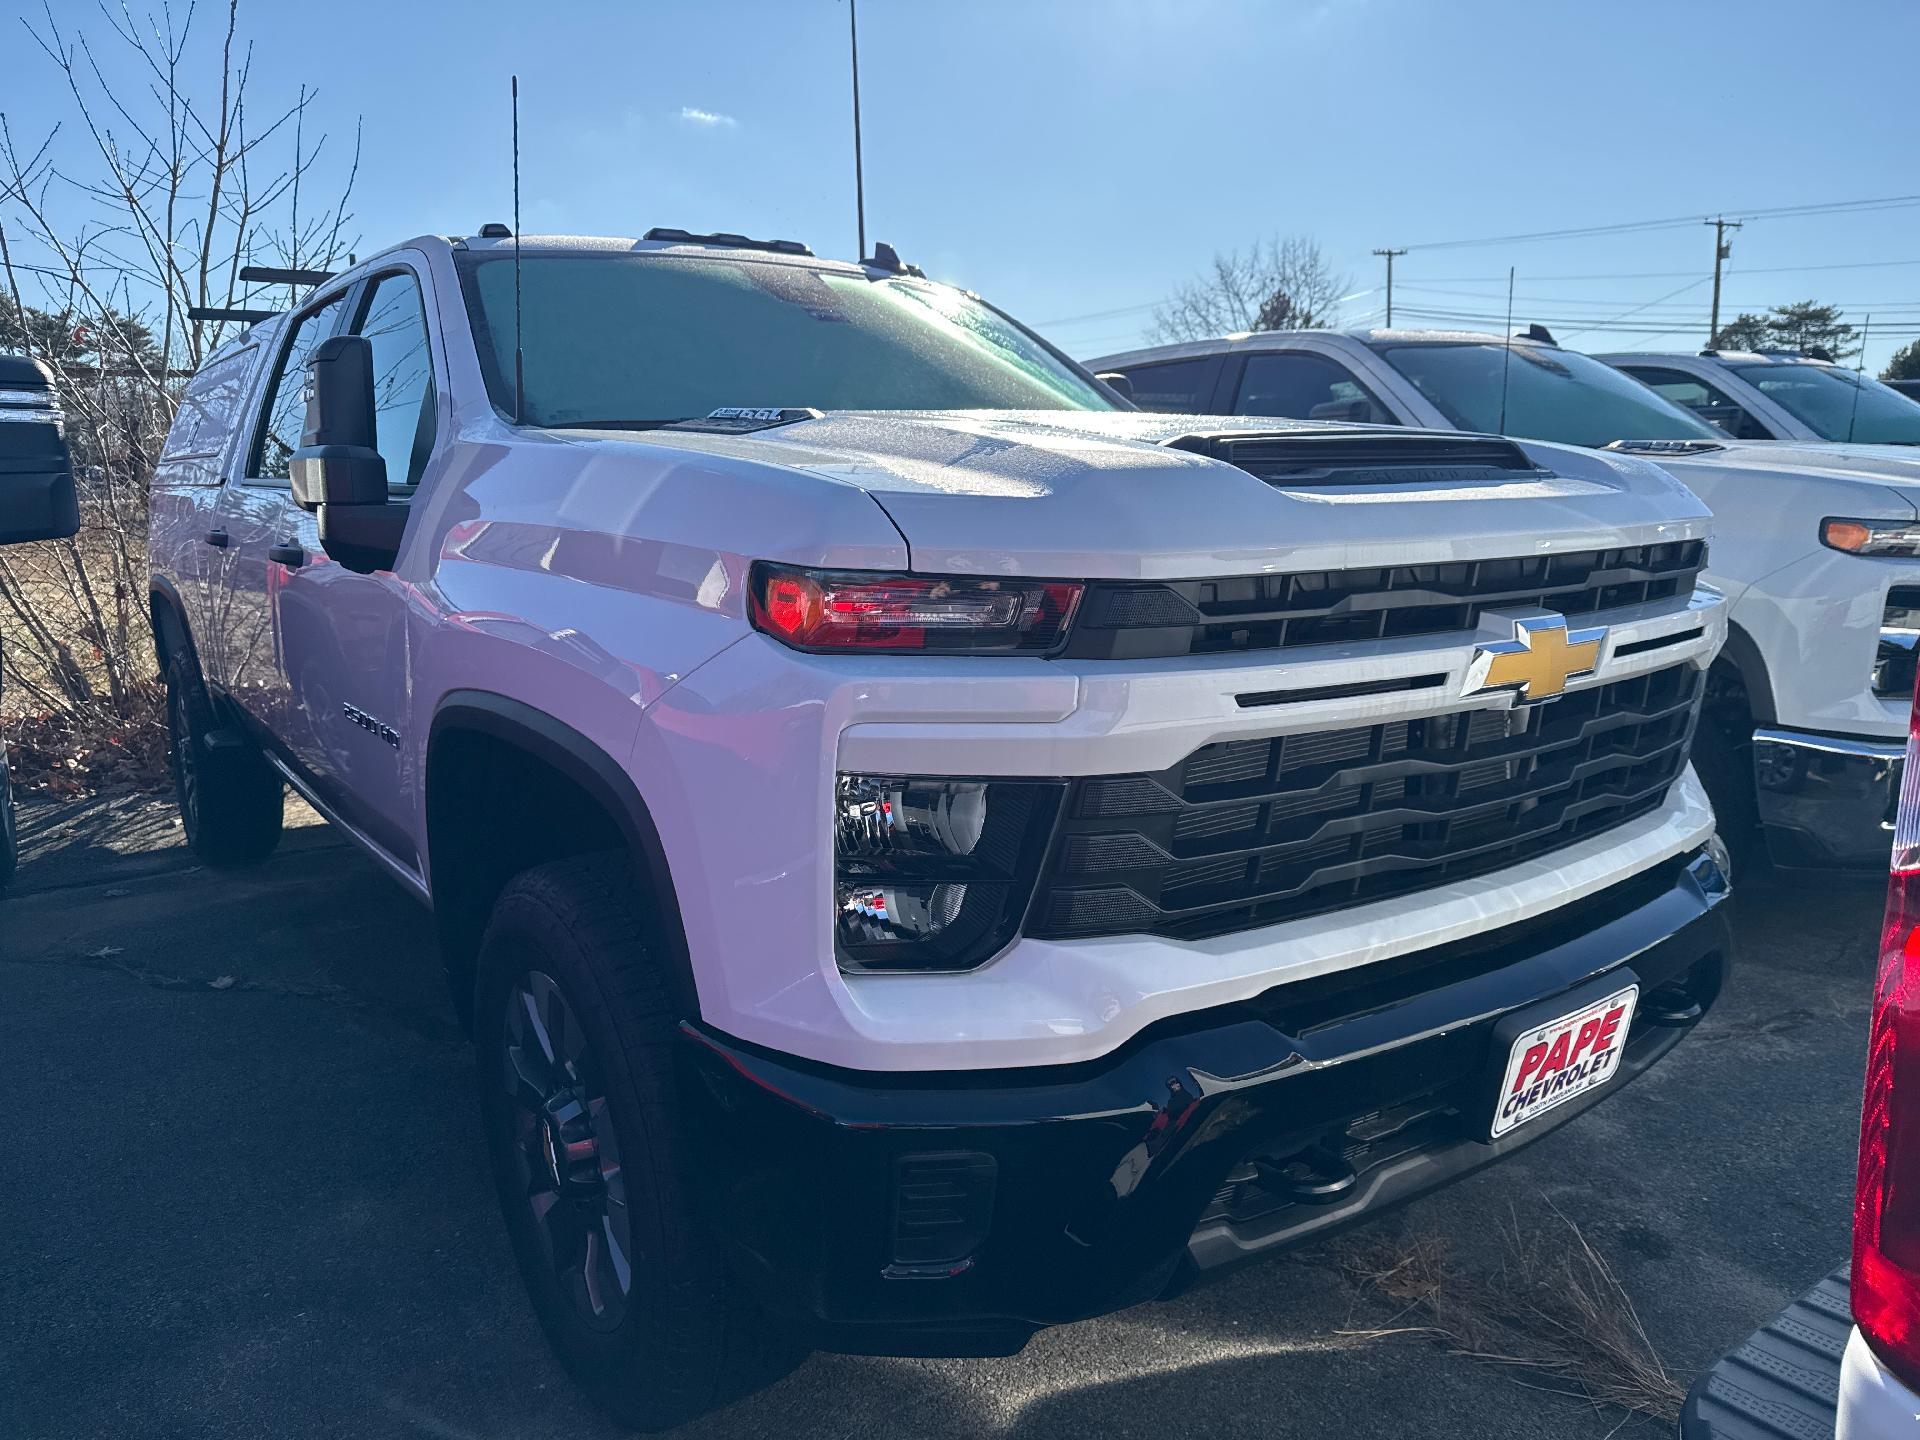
point(245, 1194)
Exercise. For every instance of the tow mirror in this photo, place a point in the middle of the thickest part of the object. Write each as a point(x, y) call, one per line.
point(37, 498)
point(1117, 382)
point(338, 471)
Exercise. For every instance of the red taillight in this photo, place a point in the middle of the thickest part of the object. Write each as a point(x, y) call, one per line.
point(857, 610)
point(1886, 1208)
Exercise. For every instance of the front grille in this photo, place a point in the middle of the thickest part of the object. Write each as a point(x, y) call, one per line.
point(1252, 832)
point(1125, 620)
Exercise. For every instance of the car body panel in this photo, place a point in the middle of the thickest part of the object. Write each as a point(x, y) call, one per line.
point(1875, 1404)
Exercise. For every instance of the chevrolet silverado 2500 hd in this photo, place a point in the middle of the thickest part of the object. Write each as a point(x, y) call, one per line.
point(928, 851)
point(1815, 547)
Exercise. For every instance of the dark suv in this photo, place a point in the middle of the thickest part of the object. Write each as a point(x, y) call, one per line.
point(37, 499)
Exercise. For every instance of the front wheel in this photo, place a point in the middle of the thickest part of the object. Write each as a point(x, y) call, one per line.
point(576, 1025)
point(231, 801)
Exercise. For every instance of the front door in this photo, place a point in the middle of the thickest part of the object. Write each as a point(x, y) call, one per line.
point(343, 651)
point(255, 519)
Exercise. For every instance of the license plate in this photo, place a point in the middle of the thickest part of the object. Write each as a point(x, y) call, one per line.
point(1552, 1063)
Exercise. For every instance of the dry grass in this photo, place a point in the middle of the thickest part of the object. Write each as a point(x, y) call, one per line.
point(1549, 1308)
point(68, 755)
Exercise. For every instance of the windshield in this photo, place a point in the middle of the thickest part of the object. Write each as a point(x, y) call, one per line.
point(634, 338)
point(1550, 394)
point(1837, 404)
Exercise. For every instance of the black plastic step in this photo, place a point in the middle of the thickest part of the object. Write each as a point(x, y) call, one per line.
point(1784, 1382)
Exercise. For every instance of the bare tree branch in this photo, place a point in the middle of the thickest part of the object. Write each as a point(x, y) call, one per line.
point(1275, 284)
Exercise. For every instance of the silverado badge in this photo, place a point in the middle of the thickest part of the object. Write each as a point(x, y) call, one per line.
point(1542, 656)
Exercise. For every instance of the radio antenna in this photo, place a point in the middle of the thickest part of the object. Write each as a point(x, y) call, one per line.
point(1859, 379)
point(1506, 359)
point(519, 366)
point(859, 175)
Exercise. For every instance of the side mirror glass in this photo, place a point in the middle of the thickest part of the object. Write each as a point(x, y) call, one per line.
point(1117, 382)
point(37, 497)
point(338, 472)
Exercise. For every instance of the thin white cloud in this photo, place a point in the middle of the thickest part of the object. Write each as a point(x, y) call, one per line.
point(707, 119)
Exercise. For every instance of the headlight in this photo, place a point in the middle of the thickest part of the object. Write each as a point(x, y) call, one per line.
point(933, 875)
point(1871, 537)
point(832, 610)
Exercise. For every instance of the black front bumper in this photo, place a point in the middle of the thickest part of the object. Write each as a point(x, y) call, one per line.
point(958, 1213)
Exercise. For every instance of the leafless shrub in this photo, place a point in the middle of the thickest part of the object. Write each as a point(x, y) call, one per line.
point(140, 206)
point(1551, 1308)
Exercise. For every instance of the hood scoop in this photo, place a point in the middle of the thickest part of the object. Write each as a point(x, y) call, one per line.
point(1356, 458)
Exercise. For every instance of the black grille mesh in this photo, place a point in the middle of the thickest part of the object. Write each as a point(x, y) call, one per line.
point(1253, 832)
point(1124, 620)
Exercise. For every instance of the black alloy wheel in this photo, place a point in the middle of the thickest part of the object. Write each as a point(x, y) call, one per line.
point(566, 1151)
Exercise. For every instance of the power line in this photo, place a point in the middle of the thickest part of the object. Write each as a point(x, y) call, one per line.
point(1694, 284)
point(1492, 321)
point(1833, 207)
point(1577, 301)
point(1673, 274)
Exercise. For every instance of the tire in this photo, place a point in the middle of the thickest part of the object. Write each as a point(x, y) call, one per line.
point(231, 801)
point(1723, 759)
point(589, 1156)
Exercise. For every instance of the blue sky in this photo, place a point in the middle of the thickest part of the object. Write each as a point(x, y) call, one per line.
point(1074, 161)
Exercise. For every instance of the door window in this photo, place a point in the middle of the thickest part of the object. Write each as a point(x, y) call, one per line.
point(1706, 400)
point(395, 325)
point(1302, 386)
point(285, 412)
point(1182, 386)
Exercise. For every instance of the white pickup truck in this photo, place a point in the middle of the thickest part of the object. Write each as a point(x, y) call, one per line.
point(1778, 395)
point(929, 852)
point(1815, 547)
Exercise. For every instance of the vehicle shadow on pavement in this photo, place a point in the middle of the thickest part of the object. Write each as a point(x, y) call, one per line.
point(247, 1194)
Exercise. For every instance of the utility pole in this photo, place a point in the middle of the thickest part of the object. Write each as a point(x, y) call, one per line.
point(1390, 254)
point(859, 179)
point(1721, 250)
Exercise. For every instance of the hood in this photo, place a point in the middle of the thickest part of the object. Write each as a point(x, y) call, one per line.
point(1891, 472)
point(1121, 494)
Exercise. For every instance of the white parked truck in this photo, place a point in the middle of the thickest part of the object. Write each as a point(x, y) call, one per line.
point(1816, 547)
point(1778, 395)
point(928, 851)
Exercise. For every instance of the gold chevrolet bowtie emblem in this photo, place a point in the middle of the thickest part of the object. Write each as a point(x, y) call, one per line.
point(1542, 656)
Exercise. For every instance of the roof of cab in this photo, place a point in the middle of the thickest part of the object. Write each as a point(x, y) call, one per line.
point(1258, 339)
point(625, 245)
point(1744, 357)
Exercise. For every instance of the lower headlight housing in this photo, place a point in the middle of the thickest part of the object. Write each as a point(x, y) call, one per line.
point(1871, 537)
point(932, 875)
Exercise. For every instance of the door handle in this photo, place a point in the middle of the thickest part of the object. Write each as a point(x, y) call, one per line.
point(288, 554)
point(217, 538)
